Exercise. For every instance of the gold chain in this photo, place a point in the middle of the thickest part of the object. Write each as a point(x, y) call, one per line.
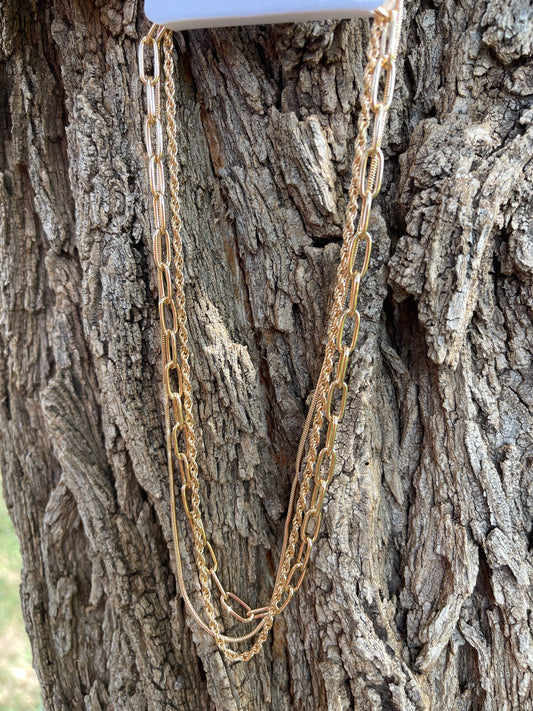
point(329, 402)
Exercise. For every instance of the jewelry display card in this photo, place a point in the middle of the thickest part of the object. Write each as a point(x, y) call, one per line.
point(178, 15)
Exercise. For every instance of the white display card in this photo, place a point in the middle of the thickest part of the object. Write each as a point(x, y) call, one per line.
point(194, 14)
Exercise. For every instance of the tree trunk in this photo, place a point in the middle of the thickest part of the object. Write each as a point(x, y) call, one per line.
point(418, 594)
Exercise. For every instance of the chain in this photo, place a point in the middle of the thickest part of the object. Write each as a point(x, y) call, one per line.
point(304, 513)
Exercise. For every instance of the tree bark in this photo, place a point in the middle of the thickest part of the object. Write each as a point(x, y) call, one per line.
point(419, 593)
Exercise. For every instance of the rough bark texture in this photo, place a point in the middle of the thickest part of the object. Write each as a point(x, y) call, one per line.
point(419, 593)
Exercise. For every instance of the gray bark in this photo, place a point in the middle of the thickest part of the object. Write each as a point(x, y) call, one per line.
point(419, 591)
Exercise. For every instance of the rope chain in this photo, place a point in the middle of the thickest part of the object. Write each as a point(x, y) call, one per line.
point(304, 513)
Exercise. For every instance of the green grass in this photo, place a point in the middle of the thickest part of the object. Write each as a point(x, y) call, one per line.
point(19, 690)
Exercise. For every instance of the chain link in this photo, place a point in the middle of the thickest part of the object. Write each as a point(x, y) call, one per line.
point(304, 514)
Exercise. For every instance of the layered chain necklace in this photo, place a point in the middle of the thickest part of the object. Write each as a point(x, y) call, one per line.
point(316, 457)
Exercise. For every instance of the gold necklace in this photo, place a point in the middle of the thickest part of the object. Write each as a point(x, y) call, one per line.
point(327, 409)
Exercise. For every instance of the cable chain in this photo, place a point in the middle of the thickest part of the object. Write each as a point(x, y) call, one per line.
point(331, 392)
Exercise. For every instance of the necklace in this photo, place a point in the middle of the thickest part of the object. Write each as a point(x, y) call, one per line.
point(316, 457)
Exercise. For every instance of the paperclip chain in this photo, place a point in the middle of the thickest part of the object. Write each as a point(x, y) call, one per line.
point(304, 514)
